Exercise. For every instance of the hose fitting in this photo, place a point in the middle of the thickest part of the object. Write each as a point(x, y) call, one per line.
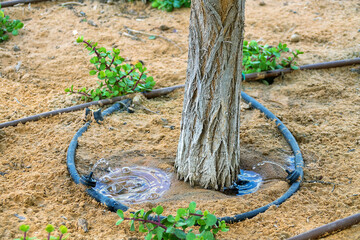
point(292, 176)
point(87, 180)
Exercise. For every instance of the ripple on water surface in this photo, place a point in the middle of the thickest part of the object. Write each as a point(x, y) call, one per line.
point(134, 184)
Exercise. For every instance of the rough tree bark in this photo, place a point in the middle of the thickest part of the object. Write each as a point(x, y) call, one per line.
point(209, 147)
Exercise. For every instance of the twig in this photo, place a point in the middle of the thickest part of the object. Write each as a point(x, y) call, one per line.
point(132, 36)
point(72, 3)
point(159, 36)
point(19, 102)
point(322, 182)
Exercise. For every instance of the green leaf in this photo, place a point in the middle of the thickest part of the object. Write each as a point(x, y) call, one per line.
point(181, 212)
point(102, 74)
point(19, 25)
point(149, 236)
point(294, 67)
point(92, 72)
point(201, 222)
point(2, 13)
point(102, 66)
point(210, 220)
point(109, 73)
point(171, 218)
point(192, 205)
point(159, 232)
point(15, 32)
point(152, 37)
point(141, 228)
point(80, 39)
point(147, 214)
point(24, 228)
point(119, 221)
point(180, 234)
point(102, 49)
point(170, 230)
point(155, 4)
point(190, 221)
point(63, 229)
point(49, 228)
point(132, 226)
point(208, 235)
point(190, 236)
point(118, 62)
point(159, 210)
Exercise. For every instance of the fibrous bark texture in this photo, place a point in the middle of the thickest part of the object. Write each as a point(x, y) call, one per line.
point(209, 146)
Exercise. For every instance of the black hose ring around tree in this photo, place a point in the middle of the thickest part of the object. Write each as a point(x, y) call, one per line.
point(115, 205)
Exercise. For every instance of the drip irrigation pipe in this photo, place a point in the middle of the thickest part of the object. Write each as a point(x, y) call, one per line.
point(329, 228)
point(12, 3)
point(155, 93)
point(163, 91)
point(114, 205)
point(324, 65)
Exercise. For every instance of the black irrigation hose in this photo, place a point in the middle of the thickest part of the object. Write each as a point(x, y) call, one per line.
point(329, 228)
point(163, 91)
point(12, 3)
point(294, 181)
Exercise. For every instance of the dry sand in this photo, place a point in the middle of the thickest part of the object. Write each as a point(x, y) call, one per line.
point(321, 109)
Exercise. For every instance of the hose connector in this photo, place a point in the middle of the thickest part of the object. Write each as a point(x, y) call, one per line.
point(293, 176)
point(87, 180)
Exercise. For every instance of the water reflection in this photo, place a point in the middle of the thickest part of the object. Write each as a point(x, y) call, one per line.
point(134, 184)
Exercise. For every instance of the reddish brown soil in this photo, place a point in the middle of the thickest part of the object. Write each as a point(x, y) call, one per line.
point(321, 109)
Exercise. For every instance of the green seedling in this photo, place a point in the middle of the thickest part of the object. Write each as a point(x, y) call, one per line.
point(116, 77)
point(175, 227)
point(8, 26)
point(49, 229)
point(169, 5)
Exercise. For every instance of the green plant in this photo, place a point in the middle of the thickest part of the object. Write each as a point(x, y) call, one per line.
point(258, 58)
point(49, 229)
point(8, 26)
point(117, 78)
point(168, 227)
point(169, 5)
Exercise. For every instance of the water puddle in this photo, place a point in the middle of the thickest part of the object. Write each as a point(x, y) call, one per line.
point(134, 184)
point(247, 182)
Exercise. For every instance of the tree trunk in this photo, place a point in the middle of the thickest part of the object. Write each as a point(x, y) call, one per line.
point(209, 147)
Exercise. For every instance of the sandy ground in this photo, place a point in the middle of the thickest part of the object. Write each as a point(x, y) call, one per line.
point(321, 109)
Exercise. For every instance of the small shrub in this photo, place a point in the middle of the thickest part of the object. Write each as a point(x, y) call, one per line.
point(258, 58)
point(169, 5)
point(49, 229)
point(8, 26)
point(116, 77)
point(175, 227)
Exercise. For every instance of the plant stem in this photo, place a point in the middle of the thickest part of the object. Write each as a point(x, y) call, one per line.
point(82, 93)
point(97, 54)
point(61, 235)
point(147, 221)
point(127, 74)
point(137, 82)
point(112, 61)
point(49, 236)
